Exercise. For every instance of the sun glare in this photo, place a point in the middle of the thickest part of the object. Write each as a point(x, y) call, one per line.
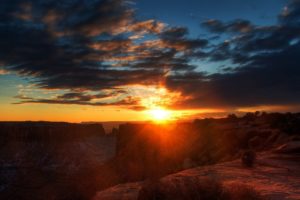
point(160, 115)
point(156, 100)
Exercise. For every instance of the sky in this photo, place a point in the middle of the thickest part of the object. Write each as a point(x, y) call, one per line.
point(118, 60)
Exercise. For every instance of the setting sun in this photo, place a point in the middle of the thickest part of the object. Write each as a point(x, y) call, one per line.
point(160, 114)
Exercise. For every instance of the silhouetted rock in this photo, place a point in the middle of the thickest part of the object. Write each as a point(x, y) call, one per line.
point(53, 160)
point(48, 131)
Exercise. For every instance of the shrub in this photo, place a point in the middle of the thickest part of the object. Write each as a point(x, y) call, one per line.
point(248, 158)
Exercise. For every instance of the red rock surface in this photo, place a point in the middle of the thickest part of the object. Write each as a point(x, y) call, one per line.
point(275, 176)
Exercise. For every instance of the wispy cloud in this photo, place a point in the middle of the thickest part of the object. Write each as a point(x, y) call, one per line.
point(3, 72)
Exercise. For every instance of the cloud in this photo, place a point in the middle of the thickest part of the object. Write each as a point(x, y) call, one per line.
point(71, 45)
point(235, 26)
point(82, 48)
point(262, 66)
point(110, 98)
point(291, 13)
point(124, 102)
point(3, 72)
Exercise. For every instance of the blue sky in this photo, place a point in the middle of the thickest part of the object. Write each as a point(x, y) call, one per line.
point(191, 12)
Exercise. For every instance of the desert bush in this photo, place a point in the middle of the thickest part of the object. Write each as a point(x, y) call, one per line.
point(248, 158)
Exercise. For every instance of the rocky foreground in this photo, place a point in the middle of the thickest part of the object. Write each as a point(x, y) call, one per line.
point(62, 161)
point(275, 175)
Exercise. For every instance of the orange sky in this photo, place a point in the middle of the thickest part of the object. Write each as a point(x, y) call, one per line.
point(74, 113)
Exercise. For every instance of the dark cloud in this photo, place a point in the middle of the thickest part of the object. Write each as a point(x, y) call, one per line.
point(236, 26)
point(291, 13)
point(263, 66)
point(95, 79)
point(270, 80)
point(81, 98)
point(174, 33)
point(123, 102)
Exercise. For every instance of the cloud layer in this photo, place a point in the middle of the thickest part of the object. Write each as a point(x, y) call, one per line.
point(96, 51)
